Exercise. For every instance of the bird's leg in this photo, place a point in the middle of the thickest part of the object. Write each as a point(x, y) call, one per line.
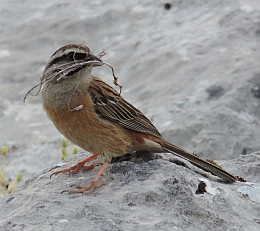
point(79, 166)
point(93, 184)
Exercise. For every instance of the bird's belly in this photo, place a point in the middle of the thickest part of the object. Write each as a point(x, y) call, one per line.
point(90, 132)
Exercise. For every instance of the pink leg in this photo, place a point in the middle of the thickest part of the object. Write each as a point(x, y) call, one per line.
point(93, 184)
point(81, 165)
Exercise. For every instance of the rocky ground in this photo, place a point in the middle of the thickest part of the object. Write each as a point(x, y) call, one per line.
point(138, 195)
point(193, 69)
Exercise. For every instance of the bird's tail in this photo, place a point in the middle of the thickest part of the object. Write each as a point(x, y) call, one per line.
point(206, 165)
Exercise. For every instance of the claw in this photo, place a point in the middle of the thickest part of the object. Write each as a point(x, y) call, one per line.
point(94, 183)
point(79, 166)
point(85, 190)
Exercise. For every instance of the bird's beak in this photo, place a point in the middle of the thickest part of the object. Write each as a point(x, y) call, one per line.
point(95, 61)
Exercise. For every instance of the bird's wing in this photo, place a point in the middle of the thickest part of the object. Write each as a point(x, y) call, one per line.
point(109, 105)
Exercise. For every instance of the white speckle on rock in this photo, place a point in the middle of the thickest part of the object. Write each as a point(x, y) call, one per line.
point(211, 190)
point(60, 164)
point(166, 123)
point(252, 190)
point(246, 8)
point(63, 221)
point(4, 53)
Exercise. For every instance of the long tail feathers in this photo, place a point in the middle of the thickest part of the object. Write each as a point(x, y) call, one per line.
point(206, 165)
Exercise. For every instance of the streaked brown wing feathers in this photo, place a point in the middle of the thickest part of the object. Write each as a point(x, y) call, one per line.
point(108, 104)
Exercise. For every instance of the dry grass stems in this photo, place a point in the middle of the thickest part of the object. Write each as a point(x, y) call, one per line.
point(60, 72)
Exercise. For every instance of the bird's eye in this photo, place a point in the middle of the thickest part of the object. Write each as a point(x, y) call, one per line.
point(80, 56)
point(70, 56)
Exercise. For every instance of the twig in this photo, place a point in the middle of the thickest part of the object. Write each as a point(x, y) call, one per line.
point(64, 69)
point(115, 78)
point(102, 52)
point(62, 73)
point(78, 107)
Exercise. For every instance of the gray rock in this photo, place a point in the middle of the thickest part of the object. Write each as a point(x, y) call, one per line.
point(193, 69)
point(142, 195)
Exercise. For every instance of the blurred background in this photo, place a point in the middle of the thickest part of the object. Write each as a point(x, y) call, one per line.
point(191, 66)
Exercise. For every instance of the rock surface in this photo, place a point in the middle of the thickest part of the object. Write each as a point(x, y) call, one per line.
point(193, 69)
point(140, 195)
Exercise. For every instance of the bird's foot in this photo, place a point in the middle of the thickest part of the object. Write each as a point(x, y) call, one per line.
point(79, 166)
point(76, 168)
point(87, 189)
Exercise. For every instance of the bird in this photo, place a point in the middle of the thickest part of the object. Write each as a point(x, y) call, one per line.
point(94, 116)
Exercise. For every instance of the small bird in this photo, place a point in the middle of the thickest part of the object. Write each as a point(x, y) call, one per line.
point(94, 116)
